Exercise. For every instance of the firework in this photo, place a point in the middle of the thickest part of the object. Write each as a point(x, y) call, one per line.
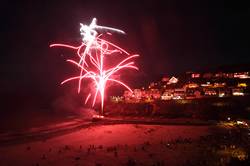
point(91, 53)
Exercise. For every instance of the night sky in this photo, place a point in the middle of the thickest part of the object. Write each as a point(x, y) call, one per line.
point(171, 37)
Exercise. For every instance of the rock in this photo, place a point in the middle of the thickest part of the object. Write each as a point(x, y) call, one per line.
point(131, 162)
point(77, 158)
point(150, 155)
point(66, 147)
point(116, 154)
point(100, 147)
point(43, 157)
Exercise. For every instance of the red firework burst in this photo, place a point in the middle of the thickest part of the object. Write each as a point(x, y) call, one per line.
point(91, 62)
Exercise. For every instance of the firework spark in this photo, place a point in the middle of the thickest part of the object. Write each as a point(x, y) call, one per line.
point(91, 53)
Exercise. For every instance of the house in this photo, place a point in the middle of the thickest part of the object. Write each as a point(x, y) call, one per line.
point(167, 94)
point(116, 99)
point(179, 93)
point(128, 96)
point(209, 92)
point(241, 75)
point(137, 94)
point(154, 93)
point(195, 75)
point(237, 92)
point(193, 94)
point(172, 80)
point(191, 85)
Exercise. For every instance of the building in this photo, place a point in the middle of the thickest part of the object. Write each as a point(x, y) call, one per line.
point(167, 94)
point(207, 75)
point(179, 93)
point(173, 80)
point(209, 92)
point(241, 75)
point(195, 75)
point(237, 92)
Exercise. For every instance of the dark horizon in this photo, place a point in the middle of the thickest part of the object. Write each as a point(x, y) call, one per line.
point(171, 38)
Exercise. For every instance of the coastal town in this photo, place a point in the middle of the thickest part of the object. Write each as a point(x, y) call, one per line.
point(191, 85)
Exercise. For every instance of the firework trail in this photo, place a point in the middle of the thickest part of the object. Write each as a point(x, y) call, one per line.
point(91, 63)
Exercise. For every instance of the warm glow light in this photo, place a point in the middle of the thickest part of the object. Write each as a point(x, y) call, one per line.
point(221, 94)
point(238, 93)
point(91, 54)
point(193, 85)
point(242, 85)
